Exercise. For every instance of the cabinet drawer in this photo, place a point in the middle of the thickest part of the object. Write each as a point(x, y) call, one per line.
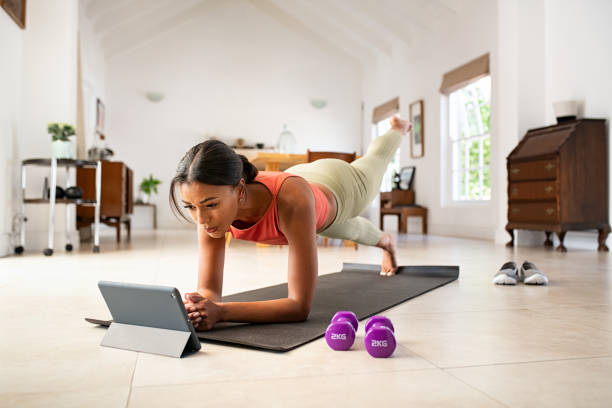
point(533, 170)
point(533, 190)
point(546, 212)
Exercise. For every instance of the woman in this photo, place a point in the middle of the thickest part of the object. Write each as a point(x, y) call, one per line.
point(224, 192)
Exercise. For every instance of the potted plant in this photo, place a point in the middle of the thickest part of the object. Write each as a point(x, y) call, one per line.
point(61, 146)
point(148, 186)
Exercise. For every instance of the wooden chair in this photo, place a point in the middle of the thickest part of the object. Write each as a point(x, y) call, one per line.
point(347, 157)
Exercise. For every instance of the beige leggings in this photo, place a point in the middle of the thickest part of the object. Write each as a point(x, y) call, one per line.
point(354, 185)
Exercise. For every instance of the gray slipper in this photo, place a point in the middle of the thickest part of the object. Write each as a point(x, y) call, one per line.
point(507, 274)
point(531, 275)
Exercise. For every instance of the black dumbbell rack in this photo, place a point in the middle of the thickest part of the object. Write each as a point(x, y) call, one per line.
point(53, 164)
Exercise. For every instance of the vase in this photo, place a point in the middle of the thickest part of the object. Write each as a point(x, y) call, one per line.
point(286, 141)
point(145, 198)
point(62, 150)
point(565, 110)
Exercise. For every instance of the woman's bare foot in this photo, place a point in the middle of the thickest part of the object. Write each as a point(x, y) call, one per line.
point(402, 126)
point(389, 263)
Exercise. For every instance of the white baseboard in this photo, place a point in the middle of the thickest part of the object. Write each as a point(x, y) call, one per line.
point(472, 232)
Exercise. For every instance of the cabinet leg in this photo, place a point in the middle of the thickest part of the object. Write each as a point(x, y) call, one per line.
point(561, 236)
point(510, 243)
point(548, 243)
point(128, 225)
point(601, 239)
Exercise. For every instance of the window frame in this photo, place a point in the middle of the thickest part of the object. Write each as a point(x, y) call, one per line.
point(448, 125)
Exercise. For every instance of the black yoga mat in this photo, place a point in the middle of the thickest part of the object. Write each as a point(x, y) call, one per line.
point(358, 287)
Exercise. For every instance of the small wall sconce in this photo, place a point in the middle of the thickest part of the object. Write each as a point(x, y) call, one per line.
point(318, 103)
point(155, 97)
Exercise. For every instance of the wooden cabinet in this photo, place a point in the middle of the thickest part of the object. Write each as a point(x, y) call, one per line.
point(117, 201)
point(558, 181)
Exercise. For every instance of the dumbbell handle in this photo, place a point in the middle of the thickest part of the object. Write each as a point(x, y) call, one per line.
point(346, 315)
point(379, 320)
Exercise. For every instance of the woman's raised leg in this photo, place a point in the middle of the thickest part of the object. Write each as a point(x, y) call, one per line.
point(362, 231)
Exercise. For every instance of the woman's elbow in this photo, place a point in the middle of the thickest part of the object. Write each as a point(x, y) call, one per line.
point(302, 313)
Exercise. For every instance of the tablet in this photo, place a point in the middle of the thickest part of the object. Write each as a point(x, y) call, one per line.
point(150, 306)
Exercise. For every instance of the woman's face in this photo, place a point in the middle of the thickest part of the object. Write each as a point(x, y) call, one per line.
point(213, 208)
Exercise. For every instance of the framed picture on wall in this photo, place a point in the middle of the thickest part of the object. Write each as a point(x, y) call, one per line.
point(417, 134)
point(16, 9)
point(99, 117)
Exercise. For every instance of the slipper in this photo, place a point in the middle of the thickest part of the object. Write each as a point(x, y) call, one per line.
point(531, 275)
point(507, 275)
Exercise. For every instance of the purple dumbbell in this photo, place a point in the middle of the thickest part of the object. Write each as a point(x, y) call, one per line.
point(340, 334)
point(380, 338)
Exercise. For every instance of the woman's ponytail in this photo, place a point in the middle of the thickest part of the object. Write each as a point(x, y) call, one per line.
point(249, 172)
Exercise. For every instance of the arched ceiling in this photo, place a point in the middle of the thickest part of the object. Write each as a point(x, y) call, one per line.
point(362, 29)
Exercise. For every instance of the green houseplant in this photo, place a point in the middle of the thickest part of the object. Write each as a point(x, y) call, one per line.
point(61, 146)
point(148, 185)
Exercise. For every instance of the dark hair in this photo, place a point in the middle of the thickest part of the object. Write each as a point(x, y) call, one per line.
point(211, 162)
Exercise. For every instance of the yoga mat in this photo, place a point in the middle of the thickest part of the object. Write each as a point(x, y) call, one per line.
point(358, 287)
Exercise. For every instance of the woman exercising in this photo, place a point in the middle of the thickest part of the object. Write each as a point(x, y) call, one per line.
point(224, 192)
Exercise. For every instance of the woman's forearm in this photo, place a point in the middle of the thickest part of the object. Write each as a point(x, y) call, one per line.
point(266, 311)
point(209, 294)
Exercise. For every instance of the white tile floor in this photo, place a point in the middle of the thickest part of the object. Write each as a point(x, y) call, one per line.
point(469, 343)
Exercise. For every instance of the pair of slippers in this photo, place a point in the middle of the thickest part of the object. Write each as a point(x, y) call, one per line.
point(528, 273)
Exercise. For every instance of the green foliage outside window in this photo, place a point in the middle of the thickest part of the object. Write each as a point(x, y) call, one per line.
point(474, 139)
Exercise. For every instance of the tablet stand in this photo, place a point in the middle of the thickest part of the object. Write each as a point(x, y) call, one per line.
point(147, 339)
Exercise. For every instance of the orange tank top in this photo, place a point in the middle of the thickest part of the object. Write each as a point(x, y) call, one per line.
point(266, 230)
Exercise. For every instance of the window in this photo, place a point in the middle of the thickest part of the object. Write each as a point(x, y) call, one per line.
point(470, 141)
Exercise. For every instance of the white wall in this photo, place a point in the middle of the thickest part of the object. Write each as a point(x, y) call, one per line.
point(93, 71)
point(231, 72)
point(11, 49)
point(49, 75)
point(416, 73)
point(519, 94)
point(579, 55)
point(578, 58)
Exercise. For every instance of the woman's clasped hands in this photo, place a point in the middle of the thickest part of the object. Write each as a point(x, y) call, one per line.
point(202, 312)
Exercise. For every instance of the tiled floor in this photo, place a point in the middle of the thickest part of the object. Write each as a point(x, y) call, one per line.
point(469, 343)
